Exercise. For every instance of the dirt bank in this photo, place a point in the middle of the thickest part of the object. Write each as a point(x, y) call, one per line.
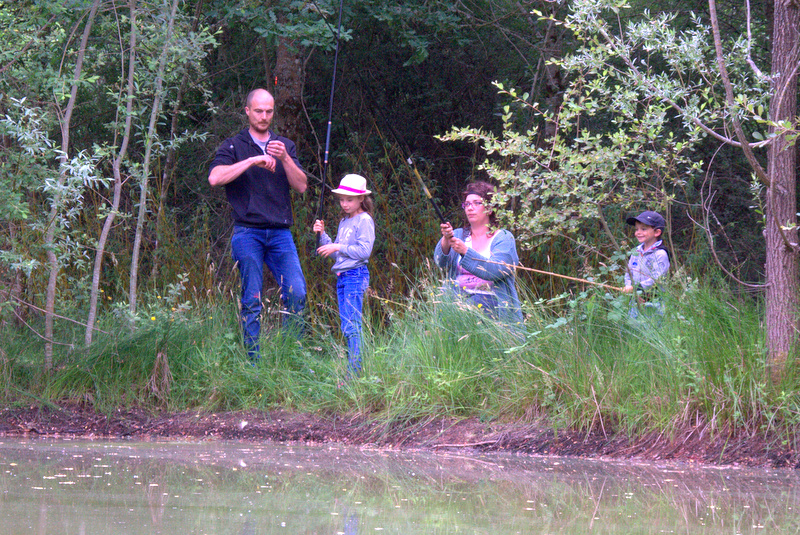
point(696, 445)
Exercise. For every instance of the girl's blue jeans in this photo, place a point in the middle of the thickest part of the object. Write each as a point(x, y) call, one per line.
point(351, 285)
point(251, 249)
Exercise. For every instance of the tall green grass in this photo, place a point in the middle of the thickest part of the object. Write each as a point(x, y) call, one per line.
point(581, 364)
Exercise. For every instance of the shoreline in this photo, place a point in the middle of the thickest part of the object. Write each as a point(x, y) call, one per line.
point(693, 445)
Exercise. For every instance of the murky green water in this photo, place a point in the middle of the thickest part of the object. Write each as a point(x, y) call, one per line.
point(78, 487)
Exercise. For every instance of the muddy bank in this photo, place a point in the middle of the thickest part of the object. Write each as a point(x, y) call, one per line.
point(695, 445)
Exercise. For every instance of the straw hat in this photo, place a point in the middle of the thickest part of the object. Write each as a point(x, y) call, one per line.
point(352, 185)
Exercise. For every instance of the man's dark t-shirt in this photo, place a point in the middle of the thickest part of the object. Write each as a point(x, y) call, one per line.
point(259, 198)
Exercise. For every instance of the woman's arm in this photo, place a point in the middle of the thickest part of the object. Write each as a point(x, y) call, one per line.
point(448, 259)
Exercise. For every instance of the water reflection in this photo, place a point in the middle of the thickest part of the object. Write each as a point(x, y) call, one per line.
point(75, 487)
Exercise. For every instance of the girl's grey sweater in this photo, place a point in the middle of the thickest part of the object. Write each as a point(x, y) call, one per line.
point(357, 236)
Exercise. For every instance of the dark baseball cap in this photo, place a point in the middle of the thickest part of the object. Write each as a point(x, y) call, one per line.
point(652, 219)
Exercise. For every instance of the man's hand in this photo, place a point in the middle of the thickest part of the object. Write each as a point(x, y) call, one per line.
point(225, 174)
point(277, 150)
point(265, 161)
point(297, 178)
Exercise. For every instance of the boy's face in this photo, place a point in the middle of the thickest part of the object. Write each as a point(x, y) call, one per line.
point(646, 234)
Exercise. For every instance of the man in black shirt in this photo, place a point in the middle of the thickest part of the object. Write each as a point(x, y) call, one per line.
point(258, 170)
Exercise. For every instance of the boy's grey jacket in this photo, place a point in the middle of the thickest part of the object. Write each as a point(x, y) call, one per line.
point(357, 236)
point(499, 270)
point(647, 266)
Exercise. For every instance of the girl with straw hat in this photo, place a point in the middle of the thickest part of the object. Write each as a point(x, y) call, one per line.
point(351, 251)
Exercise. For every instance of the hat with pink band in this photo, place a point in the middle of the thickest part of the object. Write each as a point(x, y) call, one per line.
point(352, 185)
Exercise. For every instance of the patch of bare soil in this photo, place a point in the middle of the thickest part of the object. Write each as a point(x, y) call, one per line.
point(694, 445)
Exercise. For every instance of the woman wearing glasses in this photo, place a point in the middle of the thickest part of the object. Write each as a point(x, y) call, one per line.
point(480, 259)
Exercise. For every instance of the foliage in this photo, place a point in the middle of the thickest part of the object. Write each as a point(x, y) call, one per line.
point(23, 167)
point(615, 143)
point(76, 187)
point(626, 135)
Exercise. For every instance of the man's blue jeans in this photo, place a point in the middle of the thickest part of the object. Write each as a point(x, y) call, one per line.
point(251, 249)
point(350, 288)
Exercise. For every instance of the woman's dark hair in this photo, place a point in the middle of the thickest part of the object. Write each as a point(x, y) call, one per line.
point(485, 191)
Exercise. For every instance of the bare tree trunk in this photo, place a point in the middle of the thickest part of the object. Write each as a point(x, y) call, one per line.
point(49, 237)
point(101, 243)
point(782, 259)
point(151, 133)
point(20, 311)
point(166, 173)
point(266, 53)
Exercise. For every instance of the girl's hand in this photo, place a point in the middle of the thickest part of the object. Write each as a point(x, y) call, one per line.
point(319, 225)
point(328, 250)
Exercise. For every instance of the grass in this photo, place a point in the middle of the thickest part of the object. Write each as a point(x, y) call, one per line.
point(582, 364)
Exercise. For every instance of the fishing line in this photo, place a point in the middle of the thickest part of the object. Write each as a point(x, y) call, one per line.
point(409, 160)
point(412, 165)
point(330, 115)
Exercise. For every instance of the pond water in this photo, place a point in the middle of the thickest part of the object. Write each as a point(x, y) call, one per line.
point(70, 487)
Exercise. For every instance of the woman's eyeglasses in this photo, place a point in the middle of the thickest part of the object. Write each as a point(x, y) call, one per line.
point(472, 204)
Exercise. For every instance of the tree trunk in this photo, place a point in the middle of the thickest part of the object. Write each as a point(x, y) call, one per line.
point(289, 91)
point(782, 259)
point(144, 186)
point(169, 159)
point(50, 233)
point(109, 222)
point(20, 311)
point(554, 84)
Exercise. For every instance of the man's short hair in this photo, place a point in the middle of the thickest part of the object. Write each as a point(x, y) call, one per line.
point(249, 98)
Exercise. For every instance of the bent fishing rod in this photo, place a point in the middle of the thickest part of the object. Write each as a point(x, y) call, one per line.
point(321, 200)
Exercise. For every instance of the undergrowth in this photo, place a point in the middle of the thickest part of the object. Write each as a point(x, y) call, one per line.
point(581, 364)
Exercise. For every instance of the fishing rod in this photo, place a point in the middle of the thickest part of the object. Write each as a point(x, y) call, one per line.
point(553, 274)
point(321, 200)
point(413, 166)
point(407, 155)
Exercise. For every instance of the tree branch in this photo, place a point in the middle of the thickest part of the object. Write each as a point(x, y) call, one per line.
point(676, 106)
point(749, 41)
point(705, 203)
point(726, 82)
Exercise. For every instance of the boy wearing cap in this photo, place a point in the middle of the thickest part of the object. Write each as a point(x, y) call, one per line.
point(650, 260)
